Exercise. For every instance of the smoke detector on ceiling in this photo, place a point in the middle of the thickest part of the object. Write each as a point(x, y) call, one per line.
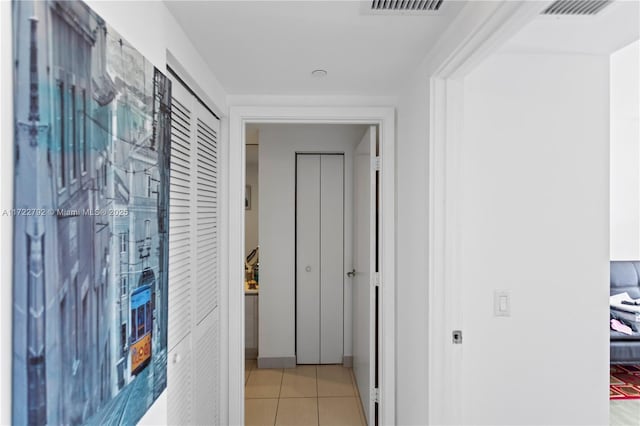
point(576, 7)
point(406, 5)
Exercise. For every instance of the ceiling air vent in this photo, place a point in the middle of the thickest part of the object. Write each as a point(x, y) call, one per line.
point(576, 7)
point(406, 5)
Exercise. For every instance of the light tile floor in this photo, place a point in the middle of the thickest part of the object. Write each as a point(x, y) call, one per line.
point(320, 395)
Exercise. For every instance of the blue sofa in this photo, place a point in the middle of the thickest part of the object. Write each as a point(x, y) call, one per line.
point(625, 276)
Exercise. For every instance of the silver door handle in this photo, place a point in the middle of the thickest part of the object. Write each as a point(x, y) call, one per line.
point(308, 269)
point(351, 274)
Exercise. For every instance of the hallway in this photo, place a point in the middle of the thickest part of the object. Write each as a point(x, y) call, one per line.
point(319, 395)
point(489, 172)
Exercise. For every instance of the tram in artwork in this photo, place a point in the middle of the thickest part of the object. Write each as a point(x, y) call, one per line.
point(141, 323)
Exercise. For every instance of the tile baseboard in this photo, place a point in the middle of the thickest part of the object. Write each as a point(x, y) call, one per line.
point(277, 362)
point(347, 361)
point(250, 353)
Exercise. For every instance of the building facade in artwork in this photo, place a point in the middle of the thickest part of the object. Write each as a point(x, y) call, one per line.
point(90, 249)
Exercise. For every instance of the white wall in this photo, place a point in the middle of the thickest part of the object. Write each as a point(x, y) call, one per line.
point(412, 290)
point(150, 28)
point(534, 215)
point(420, 369)
point(625, 153)
point(278, 146)
point(251, 216)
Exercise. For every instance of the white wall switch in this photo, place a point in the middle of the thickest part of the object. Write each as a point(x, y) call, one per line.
point(501, 303)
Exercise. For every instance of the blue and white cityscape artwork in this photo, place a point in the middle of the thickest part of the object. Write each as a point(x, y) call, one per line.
point(91, 205)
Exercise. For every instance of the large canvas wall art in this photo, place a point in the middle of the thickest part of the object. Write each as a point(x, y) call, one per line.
point(92, 134)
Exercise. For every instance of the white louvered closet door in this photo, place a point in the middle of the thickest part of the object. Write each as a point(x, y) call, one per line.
point(194, 348)
point(181, 265)
point(206, 339)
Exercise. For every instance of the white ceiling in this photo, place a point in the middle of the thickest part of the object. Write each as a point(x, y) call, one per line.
point(271, 47)
point(615, 27)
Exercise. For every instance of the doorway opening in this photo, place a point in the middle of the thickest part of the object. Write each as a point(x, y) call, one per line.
point(302, 231)
point(330, 379)
point(506, 140)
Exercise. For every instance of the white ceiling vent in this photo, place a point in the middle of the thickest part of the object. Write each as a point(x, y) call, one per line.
point(406, 5)
point(576, 7)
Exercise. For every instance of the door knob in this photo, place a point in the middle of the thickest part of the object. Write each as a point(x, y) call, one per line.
point(308, 269)
point(351, 274)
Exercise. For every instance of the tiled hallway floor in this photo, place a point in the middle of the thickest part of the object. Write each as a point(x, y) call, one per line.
point(320, 395)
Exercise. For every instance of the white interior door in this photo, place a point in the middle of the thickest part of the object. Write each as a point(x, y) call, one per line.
point(364, 264)
point(320, 259)
point(194, 325)
point(181, 254)
point(331, 258)
point(308, 259)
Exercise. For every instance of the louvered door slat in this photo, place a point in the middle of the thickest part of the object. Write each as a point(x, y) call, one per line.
point(206, 385)
point(180, 227)
point(193, 263)
point(180, 385)
point(206, 216)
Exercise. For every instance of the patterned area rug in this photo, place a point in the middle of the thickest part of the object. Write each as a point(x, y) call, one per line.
point(624, 382)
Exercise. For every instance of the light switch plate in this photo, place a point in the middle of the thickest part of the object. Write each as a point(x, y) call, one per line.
point(501, 303)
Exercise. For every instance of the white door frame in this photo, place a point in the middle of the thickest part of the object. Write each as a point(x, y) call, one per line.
point(445, 142)
point(239, 116)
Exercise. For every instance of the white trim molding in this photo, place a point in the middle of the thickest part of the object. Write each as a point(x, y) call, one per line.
point(239, 116)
